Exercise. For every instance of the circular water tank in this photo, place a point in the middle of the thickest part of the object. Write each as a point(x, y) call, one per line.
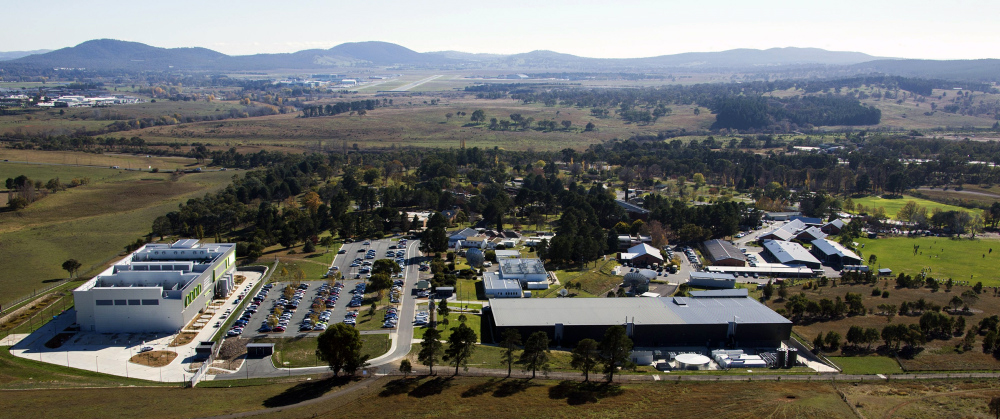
point(692, 362)
point(475, 258)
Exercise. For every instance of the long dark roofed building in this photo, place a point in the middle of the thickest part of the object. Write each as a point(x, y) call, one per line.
point(723, 253)
point(651, 322)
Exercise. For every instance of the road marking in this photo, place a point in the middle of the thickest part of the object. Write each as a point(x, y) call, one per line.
point(656, 378)
point(414, 84)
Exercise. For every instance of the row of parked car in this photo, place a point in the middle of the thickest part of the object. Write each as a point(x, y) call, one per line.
point(421, 318)
point(240, 324)
point(391, 318)
point(359, 295)
point(287, 308)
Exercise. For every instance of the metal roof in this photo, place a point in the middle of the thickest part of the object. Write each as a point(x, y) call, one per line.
point(641, 311)
point(829, 247)
point(710, 275)
point(717, 250)
point(492, 281)
point(521, 266)
point(812, 232)
point(645, 249)
point(730, 293)
point(789, 253)
point(787, 231)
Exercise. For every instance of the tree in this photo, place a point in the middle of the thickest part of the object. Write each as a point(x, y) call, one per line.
point(431, 349)
point(478, 115)
point(161, 226)
point(833, 341)
point(585, 357)
point(71, 266)
point(461, 344)
point(386, 266)
point(340, 347)
point(994, 406)
point(615, 348)
point(536, 353)
point(509, 341)
point(405, 367)
point(567, 124)
point(590, 127)
point(443, 309)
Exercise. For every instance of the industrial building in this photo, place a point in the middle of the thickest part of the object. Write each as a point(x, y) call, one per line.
point(784, 233)
point(530, 272)
point(641, 255)
point(834, 254)
point(723, 253)
point(712, 280)
point(158, 288)
point(496, 287)
point(650, 322)
point(789, 253)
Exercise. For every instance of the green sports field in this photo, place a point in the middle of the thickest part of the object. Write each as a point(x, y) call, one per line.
point(959, 259)
point(892, 206)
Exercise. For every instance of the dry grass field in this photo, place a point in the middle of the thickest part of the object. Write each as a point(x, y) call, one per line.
point(922, 399)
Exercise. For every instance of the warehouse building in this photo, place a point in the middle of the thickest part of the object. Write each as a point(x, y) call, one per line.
point(641, 255)
point(789, 253)
point(723, 253)
point(158, 288)
point(834, 254)
point(650, 322)
point(784, 233)
point(712, 280)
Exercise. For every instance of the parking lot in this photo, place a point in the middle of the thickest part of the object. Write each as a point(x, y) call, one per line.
point(352, 277)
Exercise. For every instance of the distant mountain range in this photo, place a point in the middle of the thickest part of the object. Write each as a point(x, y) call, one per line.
point(105, 54)
point(10, 55)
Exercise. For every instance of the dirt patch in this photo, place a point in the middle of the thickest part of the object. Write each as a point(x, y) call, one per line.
point(183, 338)
point(154, 359)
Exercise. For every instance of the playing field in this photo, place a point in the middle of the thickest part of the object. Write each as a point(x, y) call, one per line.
point(958, 259)
point(892, 206)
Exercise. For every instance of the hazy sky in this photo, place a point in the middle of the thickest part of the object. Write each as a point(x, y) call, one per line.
point(941, 29)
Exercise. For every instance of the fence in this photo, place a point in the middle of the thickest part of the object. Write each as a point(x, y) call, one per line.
point(12, 305)
point(198, 375)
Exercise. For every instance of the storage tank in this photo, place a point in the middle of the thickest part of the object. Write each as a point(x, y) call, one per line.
point(781, 358)
point(692, 362)
point(793, 357)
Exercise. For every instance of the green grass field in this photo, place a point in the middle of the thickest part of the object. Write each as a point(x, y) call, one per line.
point(301, 351)
point(959, 259)
point(867, 364)
point(90, 223)
point(472, 320)
point(892, 206)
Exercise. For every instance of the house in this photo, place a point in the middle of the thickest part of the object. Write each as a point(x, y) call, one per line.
point(789, 253)
point(480, 242)
point(834, 254)
point(723, 253)
point(808, 221)
point(419, 219)
point(641, 255)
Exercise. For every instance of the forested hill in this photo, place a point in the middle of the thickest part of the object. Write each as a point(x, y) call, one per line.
point(757, 112)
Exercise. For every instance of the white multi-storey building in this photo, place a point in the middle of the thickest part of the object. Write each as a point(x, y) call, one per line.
point(158, 288)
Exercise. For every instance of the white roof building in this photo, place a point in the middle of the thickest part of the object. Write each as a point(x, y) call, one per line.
point(789, 253)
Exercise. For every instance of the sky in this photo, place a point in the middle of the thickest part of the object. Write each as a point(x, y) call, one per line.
point(954, 29)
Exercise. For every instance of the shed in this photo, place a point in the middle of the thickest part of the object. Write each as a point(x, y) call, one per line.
point(723, 253)
point(885, 271)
